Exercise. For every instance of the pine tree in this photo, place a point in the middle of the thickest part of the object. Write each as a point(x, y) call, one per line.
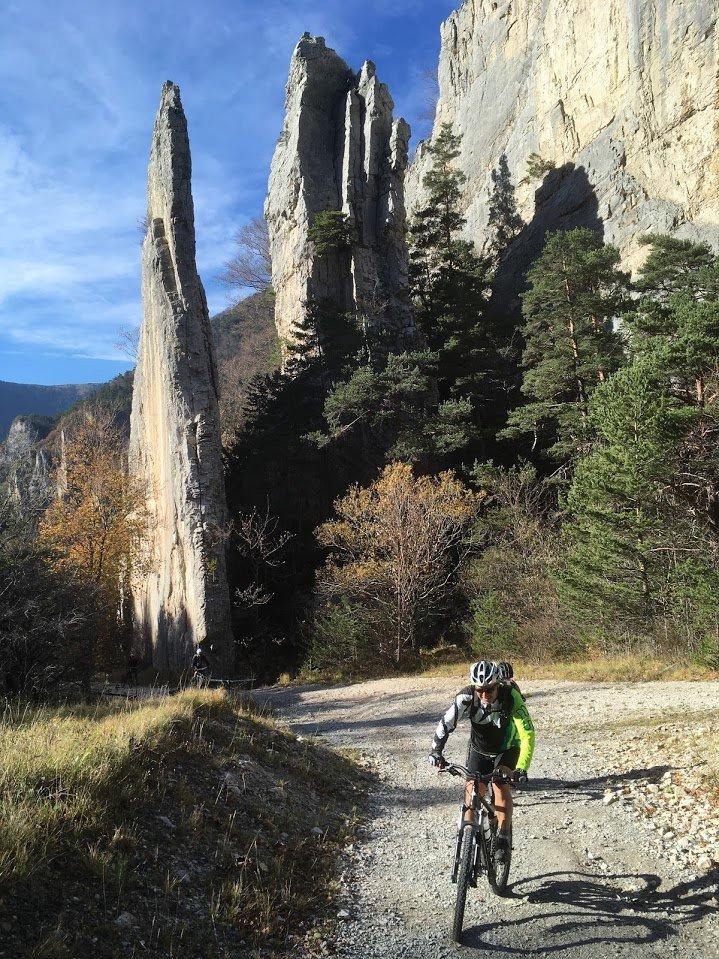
point(450, 287)
point(394, 412)
point(617, 525)
point(678, 313)
point(571, 347)
point(504, 220)
point(677, 321)
point(330, 232)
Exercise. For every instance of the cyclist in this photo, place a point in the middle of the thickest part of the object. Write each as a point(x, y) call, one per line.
point(133, 663)
point(201, 667)
point(502, 737)
point(506, 674)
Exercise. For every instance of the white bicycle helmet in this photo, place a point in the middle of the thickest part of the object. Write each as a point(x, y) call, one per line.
point(505, 670)
point(484, 673)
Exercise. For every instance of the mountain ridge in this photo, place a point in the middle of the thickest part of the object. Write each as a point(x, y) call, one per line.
point(18, 399)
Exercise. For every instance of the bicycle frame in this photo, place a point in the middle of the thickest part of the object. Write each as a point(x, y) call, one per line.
point(487, 818)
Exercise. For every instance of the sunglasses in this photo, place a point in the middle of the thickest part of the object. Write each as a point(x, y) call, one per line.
point(486, 689)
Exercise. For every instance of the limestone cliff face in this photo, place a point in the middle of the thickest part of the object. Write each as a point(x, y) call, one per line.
point(26, 462)
point(340, 149)
point(181, 595)
point(621, 95)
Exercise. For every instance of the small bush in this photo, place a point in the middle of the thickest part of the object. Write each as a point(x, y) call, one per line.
point(342, 641)
point(538, 167)
point(492, 627)
point(331, 232)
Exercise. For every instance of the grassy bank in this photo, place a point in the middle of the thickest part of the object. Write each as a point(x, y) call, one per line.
point(180, 826)
point(598, 668)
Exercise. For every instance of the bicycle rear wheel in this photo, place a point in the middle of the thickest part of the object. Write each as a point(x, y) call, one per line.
point(498, 872)
point(463, 877)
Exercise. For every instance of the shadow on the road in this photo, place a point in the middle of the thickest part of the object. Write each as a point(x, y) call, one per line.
point(586, 909)
point(543, 789)
point(316, 727)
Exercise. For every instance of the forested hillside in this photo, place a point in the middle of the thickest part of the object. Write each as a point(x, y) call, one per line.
point(24, 398)
point(578, 513)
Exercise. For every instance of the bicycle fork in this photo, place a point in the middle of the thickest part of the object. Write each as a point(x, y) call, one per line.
point(482, 841)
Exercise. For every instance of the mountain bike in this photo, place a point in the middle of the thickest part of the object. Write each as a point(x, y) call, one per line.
point(475, 846)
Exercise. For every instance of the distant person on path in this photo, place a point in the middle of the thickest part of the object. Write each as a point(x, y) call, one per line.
point(133, 663)
point(201, 667)
point(502, 737)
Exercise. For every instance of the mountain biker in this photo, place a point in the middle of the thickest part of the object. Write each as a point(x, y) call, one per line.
point(502, 737)
point(201, 667)
point(506, 674)
point(133, 662)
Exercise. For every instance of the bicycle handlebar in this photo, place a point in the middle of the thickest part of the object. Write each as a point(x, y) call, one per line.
point(496, 776)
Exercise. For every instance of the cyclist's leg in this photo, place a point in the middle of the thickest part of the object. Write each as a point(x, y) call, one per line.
point(503, 802)
point(476, 763)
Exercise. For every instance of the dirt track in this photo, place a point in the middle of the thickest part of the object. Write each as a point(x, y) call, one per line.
point(589, 877)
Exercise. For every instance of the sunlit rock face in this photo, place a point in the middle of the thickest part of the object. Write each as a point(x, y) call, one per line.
point(340, 150)
point(621, 96)
point(180, 589)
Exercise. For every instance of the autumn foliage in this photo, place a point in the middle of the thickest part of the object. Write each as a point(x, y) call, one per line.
point(395, 551)
point(95, 527)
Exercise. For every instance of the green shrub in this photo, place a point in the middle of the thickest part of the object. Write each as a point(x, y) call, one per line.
point(342, 641)
point(331, 232)
point(492, 627)
point(537, 167)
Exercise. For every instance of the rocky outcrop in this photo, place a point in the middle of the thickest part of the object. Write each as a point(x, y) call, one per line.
point(26, 462)
point(339, 150)
point(622, 97)
point(180, 589)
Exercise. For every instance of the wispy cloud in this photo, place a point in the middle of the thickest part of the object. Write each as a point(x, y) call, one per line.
point(79, 87)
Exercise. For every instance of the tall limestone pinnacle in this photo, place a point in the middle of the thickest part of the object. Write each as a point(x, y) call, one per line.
point(180, 591)
point(340, 150)
point(620, 96)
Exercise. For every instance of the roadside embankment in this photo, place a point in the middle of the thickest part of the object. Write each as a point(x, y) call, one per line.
point(188, 825)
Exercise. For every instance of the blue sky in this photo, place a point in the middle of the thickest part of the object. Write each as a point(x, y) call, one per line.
point(79, 87)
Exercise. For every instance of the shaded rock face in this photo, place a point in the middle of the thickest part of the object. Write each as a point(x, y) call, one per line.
point(340, 150)
point(180, 592)
point(26, 463)
point(621, 96)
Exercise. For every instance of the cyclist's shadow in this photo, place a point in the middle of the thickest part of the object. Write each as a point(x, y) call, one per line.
point(596, 909)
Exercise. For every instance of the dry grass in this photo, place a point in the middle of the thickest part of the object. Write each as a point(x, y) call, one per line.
point(59, 769)
point(599, 668)
point(199, 816)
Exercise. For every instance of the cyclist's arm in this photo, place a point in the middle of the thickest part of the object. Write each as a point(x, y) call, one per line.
point(448, 723)
point(524, 730)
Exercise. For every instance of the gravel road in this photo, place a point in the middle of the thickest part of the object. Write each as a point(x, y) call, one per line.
point(613, 854)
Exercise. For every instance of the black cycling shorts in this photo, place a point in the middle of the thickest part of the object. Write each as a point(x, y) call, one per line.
point(477, 763)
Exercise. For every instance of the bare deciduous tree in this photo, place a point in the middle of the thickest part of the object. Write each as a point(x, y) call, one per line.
point(128, 341)
point(251, 266)
point(261, 542)
point(430, 95)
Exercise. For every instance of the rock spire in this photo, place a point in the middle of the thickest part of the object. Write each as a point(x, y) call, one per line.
point(340, 150)
point(621, 98)
point(180, 590)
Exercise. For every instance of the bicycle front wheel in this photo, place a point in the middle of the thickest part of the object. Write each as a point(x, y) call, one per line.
point(498, 872)
point(464, 875)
